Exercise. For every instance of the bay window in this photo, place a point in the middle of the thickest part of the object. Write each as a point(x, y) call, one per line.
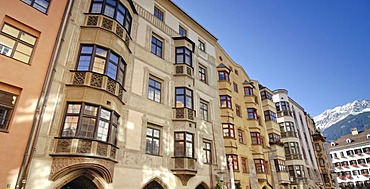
point(225, 101)
point(183, 56)
point(184, 97)
point(184, 144)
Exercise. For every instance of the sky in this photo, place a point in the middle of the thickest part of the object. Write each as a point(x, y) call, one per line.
point(318, 50)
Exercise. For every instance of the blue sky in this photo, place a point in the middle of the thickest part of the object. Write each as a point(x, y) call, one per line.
point(319, 50)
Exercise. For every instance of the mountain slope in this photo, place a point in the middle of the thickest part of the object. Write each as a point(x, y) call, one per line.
point(333, 116)
point(360, 121)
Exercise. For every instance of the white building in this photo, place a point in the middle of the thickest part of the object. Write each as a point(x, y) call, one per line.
point(350, 155)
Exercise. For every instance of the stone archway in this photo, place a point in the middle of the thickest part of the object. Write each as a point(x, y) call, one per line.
point(81, 182)
point(153, 185)
point(202, 186)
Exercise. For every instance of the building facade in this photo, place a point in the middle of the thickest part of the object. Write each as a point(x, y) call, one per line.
point(350, 155)
point(134, 101)
point(321, 153)
point(299, 153)
point(29, 37)
point(244, 129)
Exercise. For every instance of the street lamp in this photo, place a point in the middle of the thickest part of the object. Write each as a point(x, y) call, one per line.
point(232, 182)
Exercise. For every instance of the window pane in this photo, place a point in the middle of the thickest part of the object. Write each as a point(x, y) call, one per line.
point(74, 108)
point(86, 50)
point(84, 63)
point(23, 49)
point(21, 57)
point(179, 136)
point(105, 114)
point(6, 43)
point(180, 101)
point(28, 38)
point(156, 133)
point(155, 146)
point(96, 8)
point(70, 126)
point(87, 127)
point(109, 11)
point(112, 70)
point(103, 130)
point(10, 30)
point(99, 64)
point(90, 110)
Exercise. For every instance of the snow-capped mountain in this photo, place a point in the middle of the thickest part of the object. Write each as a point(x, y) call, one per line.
point(332, 116)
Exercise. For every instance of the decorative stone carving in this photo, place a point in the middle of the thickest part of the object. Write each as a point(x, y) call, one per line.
point(107, 24)
point(188, 71)
point(111, 86)
point(62, 166)
point(96, 80)
point(191, 114)
point(119, 31)
point(64, 145)
point(180, 113)
point(179, 163)
point(179, 69)
point(120, 93)
point(92, 21)
point(84, 146)
point(79, 78)
point(102, 149)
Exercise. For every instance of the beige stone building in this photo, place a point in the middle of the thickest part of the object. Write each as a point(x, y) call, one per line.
point(276, 154)
point(134, 102)
point(244, 128)
point(29, 32)
point(321, 153)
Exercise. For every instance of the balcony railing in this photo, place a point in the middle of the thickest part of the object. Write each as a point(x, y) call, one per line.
point(293, 156)
point(284, 113)
point(184, 168)
point(98, 81)
point(183, 114)
point(104, 22)
point(84, 148)
point(289, 134)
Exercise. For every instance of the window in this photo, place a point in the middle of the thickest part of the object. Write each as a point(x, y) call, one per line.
point(321, 162)
point(41, 5)
point(225, 101)
point(204, 110)
point(236, 72)
point(182, 31)
point(234, 161)
point(248, 91)
point(223, 75)
point(235, 86)
point(152, 141)
point(274, 137)
point(252, 113)
point(158, 13)
point(244, 165)
point(91, 122)
point(280, 165)
point(291, 148)
point(113, 9)
point(341, 154)
point(366, 150)
point(16, 43)
point(201, 46)
point(207, 152)
point(228, 130)
point(184, 98)
point(260, 165)
point(358, 151)
point(349, 153)
point(238, 110)
point(256, 138)
point(202, 74)
point(184, 144)
point(318, 147)
point(183, 56)
point(240, 137)
point(101, 60)
point(266, 95)
point(270, 116)
point(154, 90)
point(7, 103)
point(156, 47)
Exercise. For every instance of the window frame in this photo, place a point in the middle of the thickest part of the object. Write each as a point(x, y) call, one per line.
point(120, 65)
point(184, 152)
point(207, 151)
point(182, 31)
point(203, 74)
point(223, 75)
point(266, 95)
point(186, 54)
point(225, 101)
point(158, 13)
point(260, 165)
point(201, 45)
point(248, 91)
point(230, 130)
point(156, 46)
point(235, 87)
point(155, 89)
point(238, 110)
point(83, 113)
point(203, 110)
point(270, 116)
point(244, 165)
point(185, 96)
point(119, 9)
point(7, 109)
point(153, 137)
point(33, 2)
point(256, 138)
point(240, 136)
point(252, 114)
point(17, 41)
point(234, 161)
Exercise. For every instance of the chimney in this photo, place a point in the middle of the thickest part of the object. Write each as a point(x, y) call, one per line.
point(354, 131)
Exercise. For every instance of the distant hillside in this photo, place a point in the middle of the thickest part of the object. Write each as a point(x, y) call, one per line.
point(332, 116)
point(360, 121)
